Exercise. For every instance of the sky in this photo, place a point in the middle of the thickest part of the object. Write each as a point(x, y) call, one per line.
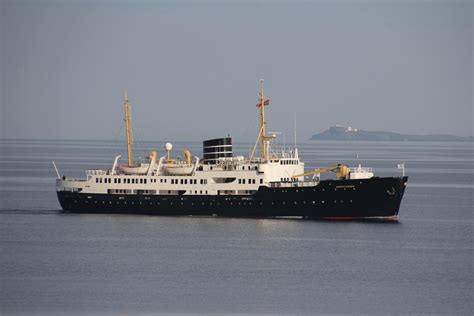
point(191, 68)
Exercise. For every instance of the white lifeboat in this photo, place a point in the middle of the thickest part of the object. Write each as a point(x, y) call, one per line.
point(178, 168)
point(175, 169)
point(134, 170)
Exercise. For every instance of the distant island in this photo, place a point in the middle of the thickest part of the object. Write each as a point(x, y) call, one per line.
point(339, 132)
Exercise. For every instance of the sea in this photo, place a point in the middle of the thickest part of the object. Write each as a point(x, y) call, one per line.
point(54, 263)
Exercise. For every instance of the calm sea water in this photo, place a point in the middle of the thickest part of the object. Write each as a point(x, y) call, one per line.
point(54, 263)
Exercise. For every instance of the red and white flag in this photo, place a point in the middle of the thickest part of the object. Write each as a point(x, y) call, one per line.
point(266, 102)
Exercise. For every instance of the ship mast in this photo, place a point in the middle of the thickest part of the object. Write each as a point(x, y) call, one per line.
point(262, 134)
point(128, 128)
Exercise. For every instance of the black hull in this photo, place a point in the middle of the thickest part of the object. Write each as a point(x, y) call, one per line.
point(338, 199)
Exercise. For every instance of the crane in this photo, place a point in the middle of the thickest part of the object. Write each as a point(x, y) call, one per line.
point(342, 172)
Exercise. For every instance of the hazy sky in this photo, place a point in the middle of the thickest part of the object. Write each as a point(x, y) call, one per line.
point(191, 68)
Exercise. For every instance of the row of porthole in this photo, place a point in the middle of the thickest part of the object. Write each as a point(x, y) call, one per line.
point(210, 203)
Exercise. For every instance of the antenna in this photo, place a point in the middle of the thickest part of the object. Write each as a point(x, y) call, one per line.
point(294, 117)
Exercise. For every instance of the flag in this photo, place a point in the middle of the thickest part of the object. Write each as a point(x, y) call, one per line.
point(266, 102)
point(401, 165)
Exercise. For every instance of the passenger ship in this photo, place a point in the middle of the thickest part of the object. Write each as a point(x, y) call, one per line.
point(274, 184)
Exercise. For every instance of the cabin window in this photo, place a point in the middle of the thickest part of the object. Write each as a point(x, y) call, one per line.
point(261, 181)
point(240, 181)
point(243, 181)
point(100, 180)
point(144, 181)
point(115, 180)
point(200, 192)
point(96, 180)
point(243, 167)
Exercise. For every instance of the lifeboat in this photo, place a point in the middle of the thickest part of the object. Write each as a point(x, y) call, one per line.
point(179, 169)
point(134, 170)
